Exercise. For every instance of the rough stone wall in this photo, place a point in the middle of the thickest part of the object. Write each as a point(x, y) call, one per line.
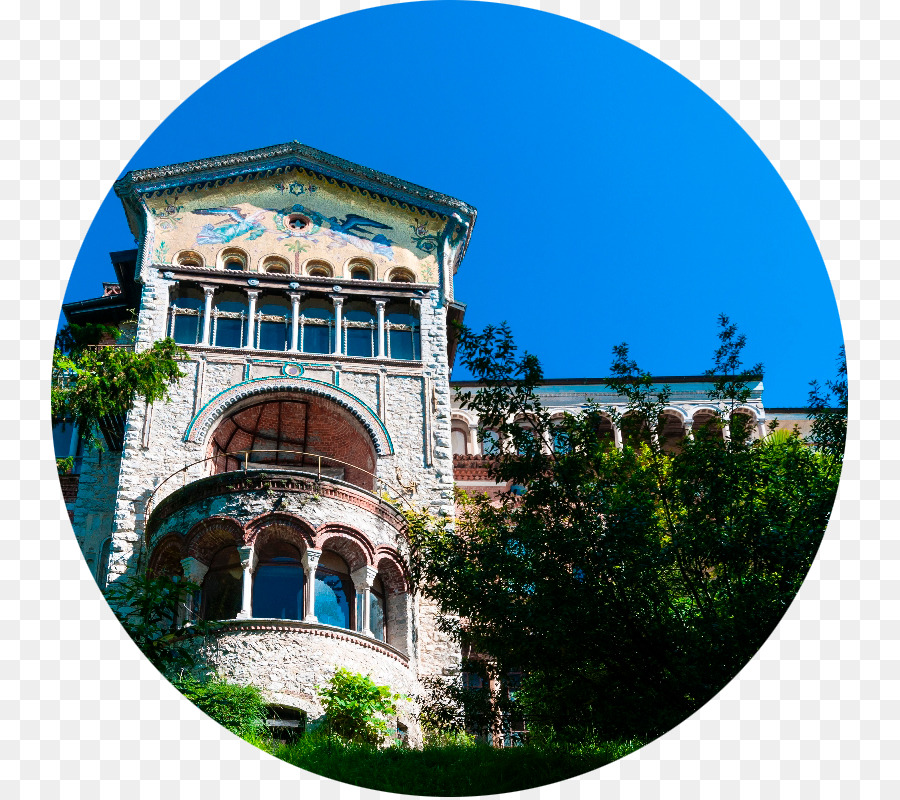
point(93, 512)
point(288, 665)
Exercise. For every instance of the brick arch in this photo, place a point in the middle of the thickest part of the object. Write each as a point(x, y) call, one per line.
point(351, 545)
point(392, 570)
point(201, 425)
point(287, 527)
point(167, 554)
point(210, 535)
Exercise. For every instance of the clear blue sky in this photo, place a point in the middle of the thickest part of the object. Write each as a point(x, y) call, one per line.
point(616, 201)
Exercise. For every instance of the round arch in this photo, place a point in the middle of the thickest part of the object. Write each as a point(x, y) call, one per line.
point(288, 527)
point(203, 422)
point(211, 534)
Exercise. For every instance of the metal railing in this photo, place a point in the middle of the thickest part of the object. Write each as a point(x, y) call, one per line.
point(245, 457)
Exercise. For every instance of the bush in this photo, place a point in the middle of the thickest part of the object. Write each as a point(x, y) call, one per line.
point(355, 707)
point(239, 708)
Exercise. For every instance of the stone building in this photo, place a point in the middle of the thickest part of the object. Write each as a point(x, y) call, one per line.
point(314, 299)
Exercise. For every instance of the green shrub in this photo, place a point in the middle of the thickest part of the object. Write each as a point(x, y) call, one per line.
point(239, 708)
point(355, 707)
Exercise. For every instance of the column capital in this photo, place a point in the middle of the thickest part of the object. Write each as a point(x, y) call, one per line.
point(252, 293)
point(247, 555)
point(209, 289)
point(311, 559)
point(296, 297)
point(689, 422)
point(364, 577)
point(194, 569)
point(380, 302)
point(337, 299)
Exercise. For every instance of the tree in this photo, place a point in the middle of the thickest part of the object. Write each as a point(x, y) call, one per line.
point(95, 385)
point(628, 585)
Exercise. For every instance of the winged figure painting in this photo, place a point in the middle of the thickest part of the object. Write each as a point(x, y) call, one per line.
point(234, 224)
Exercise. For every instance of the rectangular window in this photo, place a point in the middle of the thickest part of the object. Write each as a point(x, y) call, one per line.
point(316, 339)
point(401, 345)
point(273, 336)
point(359, 342)
point(186, 329)
point(229, 332)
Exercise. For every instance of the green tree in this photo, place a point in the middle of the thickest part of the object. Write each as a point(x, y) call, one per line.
point(355, 707)
point(629, 585)
point(94, 385)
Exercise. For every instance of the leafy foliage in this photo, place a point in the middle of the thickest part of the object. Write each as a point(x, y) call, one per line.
point(629, 585)
point(147, 606)
point(355, 707)
point(241, 709)
point(91, 382)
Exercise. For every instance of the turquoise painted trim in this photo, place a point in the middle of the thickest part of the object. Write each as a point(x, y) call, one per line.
point(362, 402)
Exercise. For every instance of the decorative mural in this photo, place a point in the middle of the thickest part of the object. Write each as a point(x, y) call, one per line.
point(241, 213)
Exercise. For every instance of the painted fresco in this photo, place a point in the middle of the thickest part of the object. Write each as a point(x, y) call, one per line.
point(255, 216)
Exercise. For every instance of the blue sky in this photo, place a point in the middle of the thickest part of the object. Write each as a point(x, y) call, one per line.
point(616, 201)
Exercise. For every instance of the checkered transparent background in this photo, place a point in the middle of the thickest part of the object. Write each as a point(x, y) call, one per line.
point(814, 83)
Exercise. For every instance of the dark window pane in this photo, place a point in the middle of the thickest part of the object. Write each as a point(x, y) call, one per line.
point(62, 439)
point(272, 336)
point(402, 344)
point(359, 342)
point(376, 616)
point(228, 333)
point(185, 329)
point(316, 339)
point(331, 601)
point(221, 595)
point(278, 591)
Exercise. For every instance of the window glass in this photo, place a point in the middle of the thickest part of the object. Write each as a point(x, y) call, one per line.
point(316, 339)
point(278, 589)
point(186, 329)
point(62, 439)
point(229, 332)
point(188, 302)
point(234, 264)
point(376, 615)
point(458, 441)
point(401, 345)
point(222, 586)
point(331, 599)
point(273, 335)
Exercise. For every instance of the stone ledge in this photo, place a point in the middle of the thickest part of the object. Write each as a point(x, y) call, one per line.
point(314, 629)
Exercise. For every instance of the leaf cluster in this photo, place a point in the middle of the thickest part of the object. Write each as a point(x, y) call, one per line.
point(355, 707)
point(240, 709)
point(628, 584)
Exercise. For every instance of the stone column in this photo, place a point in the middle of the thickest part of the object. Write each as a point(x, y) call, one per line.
point(252, 294)
point(338, 324)
point(761, 427)
point(248, 563)
point(310, 562)
point(474, 447)
point(194, 572)
point(379, 305)
point(363, 580)
point(295, 319)
point(689, 428)
point(208, 292)
point(617, 436)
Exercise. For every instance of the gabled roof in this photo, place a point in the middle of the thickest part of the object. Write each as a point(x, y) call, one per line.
point(275, 160)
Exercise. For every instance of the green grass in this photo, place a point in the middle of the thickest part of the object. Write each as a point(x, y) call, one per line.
point(450, 770)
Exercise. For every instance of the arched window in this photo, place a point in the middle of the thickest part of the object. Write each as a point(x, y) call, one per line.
point(377, 621)
point(229, 320)
point(273, 321)
point(402, 333)
point(490, 443)
point(402, 276)
point(103, 563)
point(334, 591)
point(276, 265)
point(278, 582)
point(189, 258)
point(221, 590)
point(316, 323)
point(319, 269)
point(360, 329)
point(233, 258)
point(361, 270)
point(186, 315)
